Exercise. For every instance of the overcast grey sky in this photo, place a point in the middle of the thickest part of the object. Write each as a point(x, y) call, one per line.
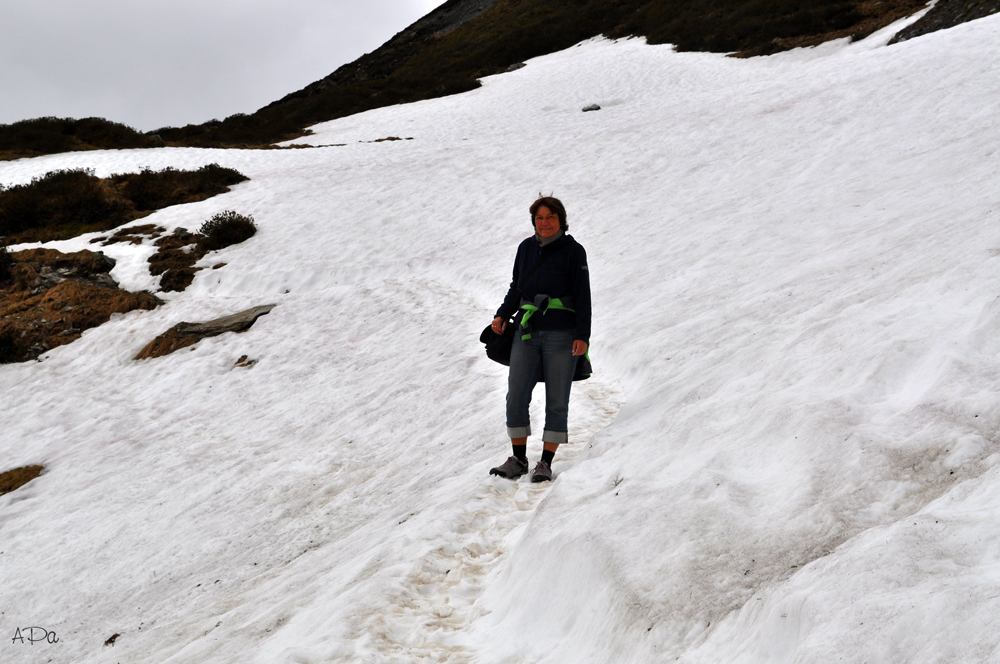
point(153, 63)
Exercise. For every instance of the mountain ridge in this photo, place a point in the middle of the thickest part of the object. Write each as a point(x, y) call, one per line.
point(449, 49)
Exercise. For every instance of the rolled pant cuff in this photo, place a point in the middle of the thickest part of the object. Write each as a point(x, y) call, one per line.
point(556, 437)
point(519, 432)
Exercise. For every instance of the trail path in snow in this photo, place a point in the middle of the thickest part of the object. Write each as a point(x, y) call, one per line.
point(437, 597)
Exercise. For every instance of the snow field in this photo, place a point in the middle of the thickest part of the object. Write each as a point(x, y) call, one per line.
point(787, 453)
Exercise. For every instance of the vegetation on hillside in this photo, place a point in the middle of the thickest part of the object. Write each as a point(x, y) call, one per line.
point(67, 203)
point(227, 228)
point(49, 298)
point(31, 138)
point(178, 252)
point(6, 263)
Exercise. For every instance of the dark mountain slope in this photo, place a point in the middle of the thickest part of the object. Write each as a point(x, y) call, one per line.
point(449, 49)
point(948, 14)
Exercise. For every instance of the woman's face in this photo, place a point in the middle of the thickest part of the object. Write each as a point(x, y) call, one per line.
point(546, 222)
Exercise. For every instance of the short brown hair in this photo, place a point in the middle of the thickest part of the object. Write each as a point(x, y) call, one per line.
point(553, 204)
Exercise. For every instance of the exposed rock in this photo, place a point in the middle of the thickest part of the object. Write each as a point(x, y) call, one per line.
point(186, 334)
point(947, 14)
point(57, 267)
point(516, 66)
point(244, 361)
point(52, 298)
point(592, 107)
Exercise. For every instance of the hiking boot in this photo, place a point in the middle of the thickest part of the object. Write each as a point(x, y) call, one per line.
point(512, 468)
point(541, 473)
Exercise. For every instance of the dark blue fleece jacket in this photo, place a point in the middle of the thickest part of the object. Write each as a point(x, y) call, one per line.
point(563, 274)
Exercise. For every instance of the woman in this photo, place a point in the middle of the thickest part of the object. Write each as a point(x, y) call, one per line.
point(553, 307)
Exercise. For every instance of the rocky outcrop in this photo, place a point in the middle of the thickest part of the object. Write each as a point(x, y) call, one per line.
point(37, 270)
point(186, 334)
point(947, 14)
point(51, 298)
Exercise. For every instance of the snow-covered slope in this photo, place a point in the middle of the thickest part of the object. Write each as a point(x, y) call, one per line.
point(787, 454)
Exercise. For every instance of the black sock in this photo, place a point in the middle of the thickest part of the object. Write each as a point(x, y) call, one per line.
point(521, 452)
point(547, 456)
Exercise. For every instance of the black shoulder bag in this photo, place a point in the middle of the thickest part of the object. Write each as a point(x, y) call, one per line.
point(498, 345)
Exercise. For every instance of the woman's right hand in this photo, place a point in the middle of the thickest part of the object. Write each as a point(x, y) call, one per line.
point(499, 325)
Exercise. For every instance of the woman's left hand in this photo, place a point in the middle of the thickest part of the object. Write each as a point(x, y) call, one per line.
point(579, 347)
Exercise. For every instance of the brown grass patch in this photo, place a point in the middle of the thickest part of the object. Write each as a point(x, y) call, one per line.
point(179, 251)
point(132, 234)
point(11, 480)
point(175, 259)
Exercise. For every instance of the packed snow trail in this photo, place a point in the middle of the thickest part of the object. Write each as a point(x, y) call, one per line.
point(425, 617)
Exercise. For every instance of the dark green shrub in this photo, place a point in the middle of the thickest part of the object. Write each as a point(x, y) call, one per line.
point(50, 135)
point(153, 190)
point(69, 198)
point(226, 228)
point(64, 204)
point(6, 262)
point(9, 347)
